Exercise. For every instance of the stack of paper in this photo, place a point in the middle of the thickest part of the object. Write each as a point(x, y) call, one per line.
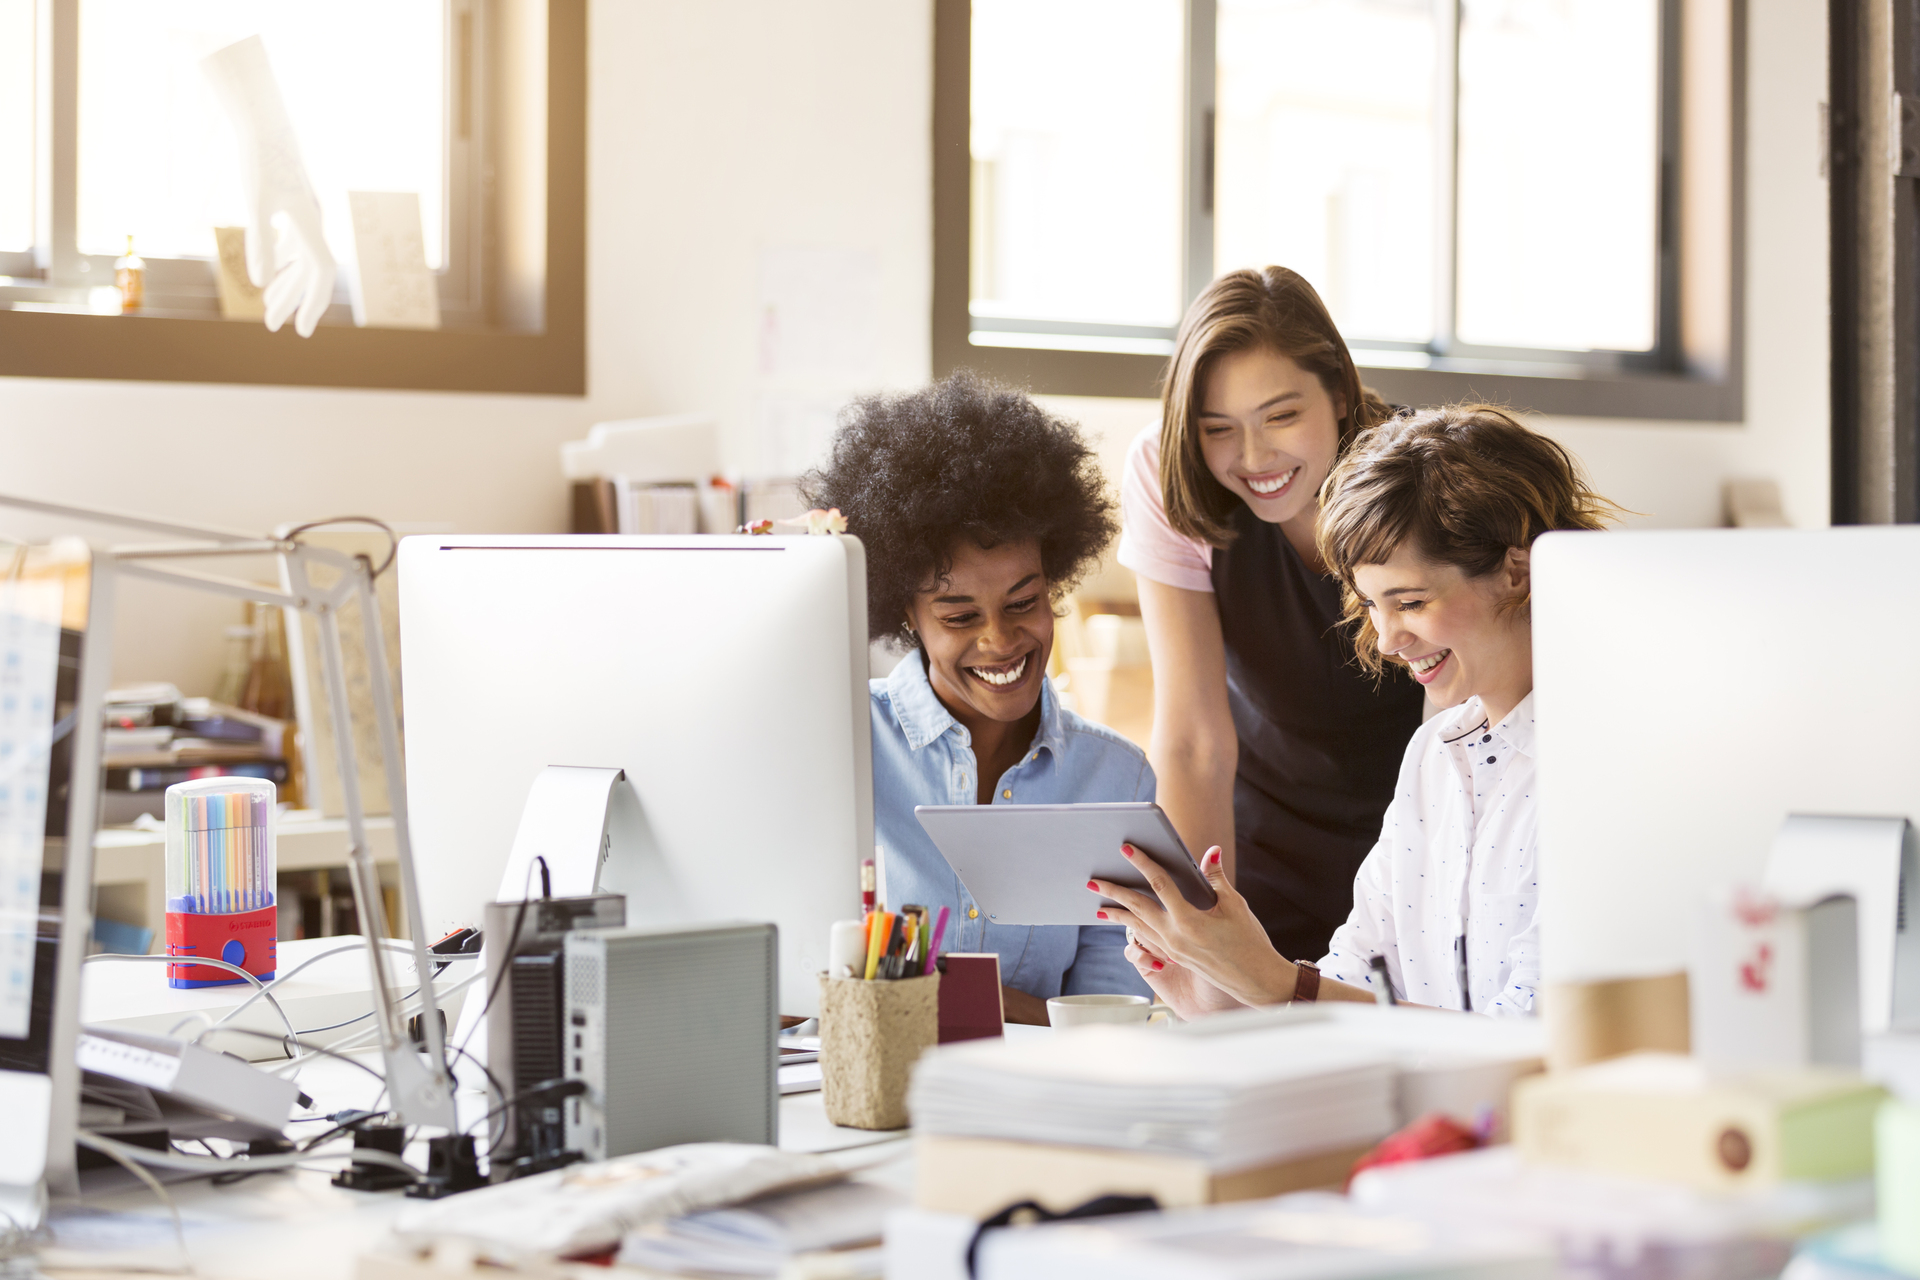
point(758, 1237)
point(1309, 1236)
point(1232, 1101)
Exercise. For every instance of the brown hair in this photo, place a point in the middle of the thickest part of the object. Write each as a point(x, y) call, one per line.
point(1244, 310)
point(1462, 483)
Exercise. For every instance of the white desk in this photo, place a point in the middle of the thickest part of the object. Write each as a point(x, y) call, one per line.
point(296, 1226)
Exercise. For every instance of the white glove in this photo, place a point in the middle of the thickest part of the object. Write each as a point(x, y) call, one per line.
point(301, 270)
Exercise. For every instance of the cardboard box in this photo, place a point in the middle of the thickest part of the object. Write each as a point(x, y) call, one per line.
point(979, 1177)
point(1666, 1118)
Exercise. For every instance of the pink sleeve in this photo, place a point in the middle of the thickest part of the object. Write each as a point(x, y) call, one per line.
point(1148, 544)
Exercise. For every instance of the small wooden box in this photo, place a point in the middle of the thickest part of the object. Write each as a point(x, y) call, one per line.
point(979, 1177)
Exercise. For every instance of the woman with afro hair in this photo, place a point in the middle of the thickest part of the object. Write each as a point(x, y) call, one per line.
point(979, 511)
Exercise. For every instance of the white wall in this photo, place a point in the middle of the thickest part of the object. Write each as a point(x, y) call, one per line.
point(716, 130)
point(1670, 473)
point(722, 129)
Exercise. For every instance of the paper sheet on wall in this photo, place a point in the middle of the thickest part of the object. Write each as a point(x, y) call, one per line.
point(29, 667)
point(819, 346)
point(393, 286)
point(820, 316)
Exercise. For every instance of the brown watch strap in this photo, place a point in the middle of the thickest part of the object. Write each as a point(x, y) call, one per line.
point(1306, 982)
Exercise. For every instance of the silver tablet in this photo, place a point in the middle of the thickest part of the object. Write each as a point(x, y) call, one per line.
point(1030, 863)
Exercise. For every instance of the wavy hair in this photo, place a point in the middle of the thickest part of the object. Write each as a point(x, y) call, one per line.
point(1461, 484)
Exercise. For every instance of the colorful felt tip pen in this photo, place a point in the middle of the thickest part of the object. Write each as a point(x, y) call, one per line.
point(866, 887)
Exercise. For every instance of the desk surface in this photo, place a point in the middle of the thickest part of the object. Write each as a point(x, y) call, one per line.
point(297, 1226)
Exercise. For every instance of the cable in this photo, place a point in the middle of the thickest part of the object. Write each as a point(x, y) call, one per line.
point(360, 1037)
point(393, 539)
point(564, 1087)
point(216, 964)
point(225, 1164)
point(506, 955)
point(118, 1153)
point(310, 1049)
point(242, 1007)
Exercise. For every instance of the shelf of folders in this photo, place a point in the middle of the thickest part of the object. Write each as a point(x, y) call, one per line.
point(220, 879)
point(879, 1011)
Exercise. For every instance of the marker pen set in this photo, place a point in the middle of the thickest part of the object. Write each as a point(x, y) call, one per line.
point(220, 879)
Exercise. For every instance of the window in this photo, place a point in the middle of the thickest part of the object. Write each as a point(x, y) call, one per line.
point(1483, 191)
point(109, 130)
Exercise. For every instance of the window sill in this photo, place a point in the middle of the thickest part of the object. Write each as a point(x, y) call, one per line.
point(176, 347)
point(1567, 388)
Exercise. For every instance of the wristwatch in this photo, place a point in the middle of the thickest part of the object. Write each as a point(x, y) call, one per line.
point(1306, 982)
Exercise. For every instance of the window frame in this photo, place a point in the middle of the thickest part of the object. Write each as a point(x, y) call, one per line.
point(1693, 372)
point(513, 297)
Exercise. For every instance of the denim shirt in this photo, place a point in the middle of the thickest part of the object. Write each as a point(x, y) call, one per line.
point(922, 755)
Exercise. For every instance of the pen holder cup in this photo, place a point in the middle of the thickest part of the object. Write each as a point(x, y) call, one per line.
point(871, 1033)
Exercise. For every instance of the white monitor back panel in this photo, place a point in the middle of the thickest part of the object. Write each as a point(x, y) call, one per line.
point(727, 676)
point(1693, 689)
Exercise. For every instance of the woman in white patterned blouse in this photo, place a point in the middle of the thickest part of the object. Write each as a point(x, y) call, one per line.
point(1429, 521)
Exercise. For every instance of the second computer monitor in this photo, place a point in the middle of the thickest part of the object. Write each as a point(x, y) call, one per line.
point(1693, 689)
point(726, 676)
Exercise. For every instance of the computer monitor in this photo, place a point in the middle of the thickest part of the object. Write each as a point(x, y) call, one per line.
point(46, 593)
point(1693, 689)
point(726, 675)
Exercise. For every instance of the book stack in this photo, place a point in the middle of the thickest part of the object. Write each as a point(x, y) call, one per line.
point(1127, 1110)
point(154, 738)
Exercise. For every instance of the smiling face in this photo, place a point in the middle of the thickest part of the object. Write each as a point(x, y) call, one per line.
point(1456, 634)
point(1268, 431)
point(987, 627)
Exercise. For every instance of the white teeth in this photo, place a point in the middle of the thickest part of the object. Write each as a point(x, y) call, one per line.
point(1265, 487)
point(1010, 676)
point(1428, 663)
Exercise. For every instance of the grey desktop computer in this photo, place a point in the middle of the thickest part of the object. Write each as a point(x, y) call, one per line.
point(674, 1032)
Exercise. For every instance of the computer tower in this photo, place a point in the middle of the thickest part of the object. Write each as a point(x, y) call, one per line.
point(525, 1042)
point(674, 1031)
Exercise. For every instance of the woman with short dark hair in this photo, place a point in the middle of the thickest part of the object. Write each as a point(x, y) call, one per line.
point(1428, 522)
point(979, 511)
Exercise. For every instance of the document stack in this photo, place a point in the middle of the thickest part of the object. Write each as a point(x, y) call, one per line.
point(1111, 1109)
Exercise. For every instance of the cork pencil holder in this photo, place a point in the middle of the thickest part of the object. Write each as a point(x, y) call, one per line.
point(871, 1033)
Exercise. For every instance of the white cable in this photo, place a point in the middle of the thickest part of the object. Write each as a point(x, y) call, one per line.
point(360, 1038)
point(232, 1164)
point(118, 1153)
point(385, 944)
point(216, 964)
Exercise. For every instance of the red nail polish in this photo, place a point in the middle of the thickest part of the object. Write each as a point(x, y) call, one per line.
point(1101, 914)
point(1157, 966)
point(1127, 849)
point(1091, 885)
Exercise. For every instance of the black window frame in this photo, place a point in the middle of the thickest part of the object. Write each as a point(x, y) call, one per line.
point(1693, 373)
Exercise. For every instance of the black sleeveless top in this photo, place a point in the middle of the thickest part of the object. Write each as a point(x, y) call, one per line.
point(1320, 739)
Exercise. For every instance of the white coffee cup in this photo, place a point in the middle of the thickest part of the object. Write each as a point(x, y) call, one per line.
point(1080, 1011)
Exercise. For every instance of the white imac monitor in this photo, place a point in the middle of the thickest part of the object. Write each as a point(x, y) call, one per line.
point(1693, 689)
point(726, 675)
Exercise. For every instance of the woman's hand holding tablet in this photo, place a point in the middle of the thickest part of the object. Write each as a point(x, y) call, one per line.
point(1198, 960)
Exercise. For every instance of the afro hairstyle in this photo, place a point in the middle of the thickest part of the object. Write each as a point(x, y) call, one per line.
point(915, 472)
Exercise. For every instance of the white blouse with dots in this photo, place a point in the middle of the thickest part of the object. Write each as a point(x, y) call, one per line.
point(1448, 895)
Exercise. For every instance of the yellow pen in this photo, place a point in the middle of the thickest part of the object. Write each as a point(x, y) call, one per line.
point(882, 927)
